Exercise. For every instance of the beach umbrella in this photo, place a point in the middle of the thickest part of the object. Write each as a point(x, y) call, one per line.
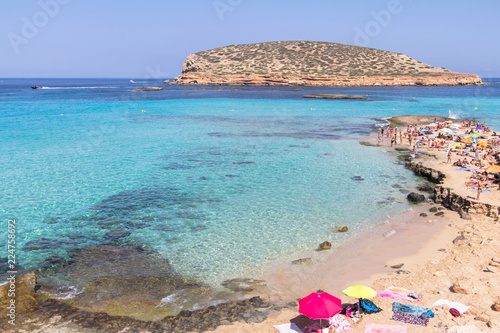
point(474, 140)
point(320, 305)
point(479, 128)
point(432, 125)
point(466, 140)
point(422, 130)
point(447, 130)
point(474, 135)
point(359, 291)
point(462, 135)
point(493, 169)
point(483, 143)
point(457, 145)
point(455, 126)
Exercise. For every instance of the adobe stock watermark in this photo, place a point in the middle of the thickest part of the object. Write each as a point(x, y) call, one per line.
point(381, 19)
point(223, 6)
point(30, 27)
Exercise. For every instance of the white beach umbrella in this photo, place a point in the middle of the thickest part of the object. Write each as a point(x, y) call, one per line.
point(447, 130)
point(432, 125)
point(455, 126)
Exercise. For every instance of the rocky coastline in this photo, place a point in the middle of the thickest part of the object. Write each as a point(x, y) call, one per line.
point(199, 78)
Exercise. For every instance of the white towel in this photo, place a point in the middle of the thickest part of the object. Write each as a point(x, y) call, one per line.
point(452, 305)
point(288, 328)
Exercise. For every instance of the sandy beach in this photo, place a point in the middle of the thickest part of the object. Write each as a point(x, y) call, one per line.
point(443, 257)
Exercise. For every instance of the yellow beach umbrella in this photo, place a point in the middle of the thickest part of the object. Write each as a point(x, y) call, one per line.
point(466, 140)
point(483, 143)
point(359, 291)
point(457, 145)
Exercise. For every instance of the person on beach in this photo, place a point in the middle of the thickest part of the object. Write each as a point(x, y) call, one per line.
point(478, 189)
point(449, 157)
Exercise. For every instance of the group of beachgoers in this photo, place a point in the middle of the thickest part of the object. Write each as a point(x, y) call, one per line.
point(477, 147)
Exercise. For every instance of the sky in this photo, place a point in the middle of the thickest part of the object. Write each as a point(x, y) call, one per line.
point(151, 38)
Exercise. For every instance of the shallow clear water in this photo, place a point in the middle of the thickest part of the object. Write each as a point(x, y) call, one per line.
point(218, 180)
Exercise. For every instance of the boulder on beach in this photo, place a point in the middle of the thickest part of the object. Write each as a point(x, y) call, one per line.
point(24, 290)
point(415, 197)
point(326, 245)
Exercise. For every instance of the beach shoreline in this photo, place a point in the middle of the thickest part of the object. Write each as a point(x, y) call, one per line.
point(442, 257)
point(418, 242)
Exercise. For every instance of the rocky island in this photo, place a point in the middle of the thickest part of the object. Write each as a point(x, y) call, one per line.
point(307, 63)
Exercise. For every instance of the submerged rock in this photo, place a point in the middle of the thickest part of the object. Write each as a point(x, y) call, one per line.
point(51, 265)
point(302, 261)
point(125, 279)
point(244, 285)
point(368, 144)
point(343, 229)
point(117, 234)
point(49, 243)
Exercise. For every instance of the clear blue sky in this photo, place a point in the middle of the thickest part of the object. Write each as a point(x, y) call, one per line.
point(151, 38)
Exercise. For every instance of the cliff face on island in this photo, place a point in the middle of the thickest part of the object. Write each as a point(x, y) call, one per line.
point(303, 63)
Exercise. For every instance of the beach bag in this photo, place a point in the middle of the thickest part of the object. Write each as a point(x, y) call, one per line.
point(368, 306)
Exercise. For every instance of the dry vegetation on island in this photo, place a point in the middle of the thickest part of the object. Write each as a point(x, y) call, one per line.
point(306, 63)
point(306, 58)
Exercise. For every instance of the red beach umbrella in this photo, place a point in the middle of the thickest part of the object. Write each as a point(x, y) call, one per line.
point(320, 306)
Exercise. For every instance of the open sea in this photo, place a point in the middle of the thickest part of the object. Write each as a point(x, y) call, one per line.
point(219, 181)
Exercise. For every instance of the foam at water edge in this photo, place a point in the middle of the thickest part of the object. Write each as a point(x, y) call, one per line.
point(71, 293)
point(453, 114)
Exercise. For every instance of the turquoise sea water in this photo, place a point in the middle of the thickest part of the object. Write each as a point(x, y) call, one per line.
point(219, 181)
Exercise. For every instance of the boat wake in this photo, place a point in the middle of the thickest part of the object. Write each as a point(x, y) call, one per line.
point(78, 87)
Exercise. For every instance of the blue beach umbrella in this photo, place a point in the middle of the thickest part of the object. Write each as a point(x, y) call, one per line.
point(474, 140)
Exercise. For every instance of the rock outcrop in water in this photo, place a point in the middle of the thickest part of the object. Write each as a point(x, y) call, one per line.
point(307, 63)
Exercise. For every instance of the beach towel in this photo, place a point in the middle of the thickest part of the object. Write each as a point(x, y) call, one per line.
point(288, 328)
point(388, 294)
point(398, 290)
point(339, 324)
point(409, 318)
point(368, 306)
point(454, 305)
point(383, 328)
point(411, 309)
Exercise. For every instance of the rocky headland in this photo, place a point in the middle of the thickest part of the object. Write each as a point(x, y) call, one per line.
point(307, 63)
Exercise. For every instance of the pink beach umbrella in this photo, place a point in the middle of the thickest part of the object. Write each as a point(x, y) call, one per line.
point(320, 306)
